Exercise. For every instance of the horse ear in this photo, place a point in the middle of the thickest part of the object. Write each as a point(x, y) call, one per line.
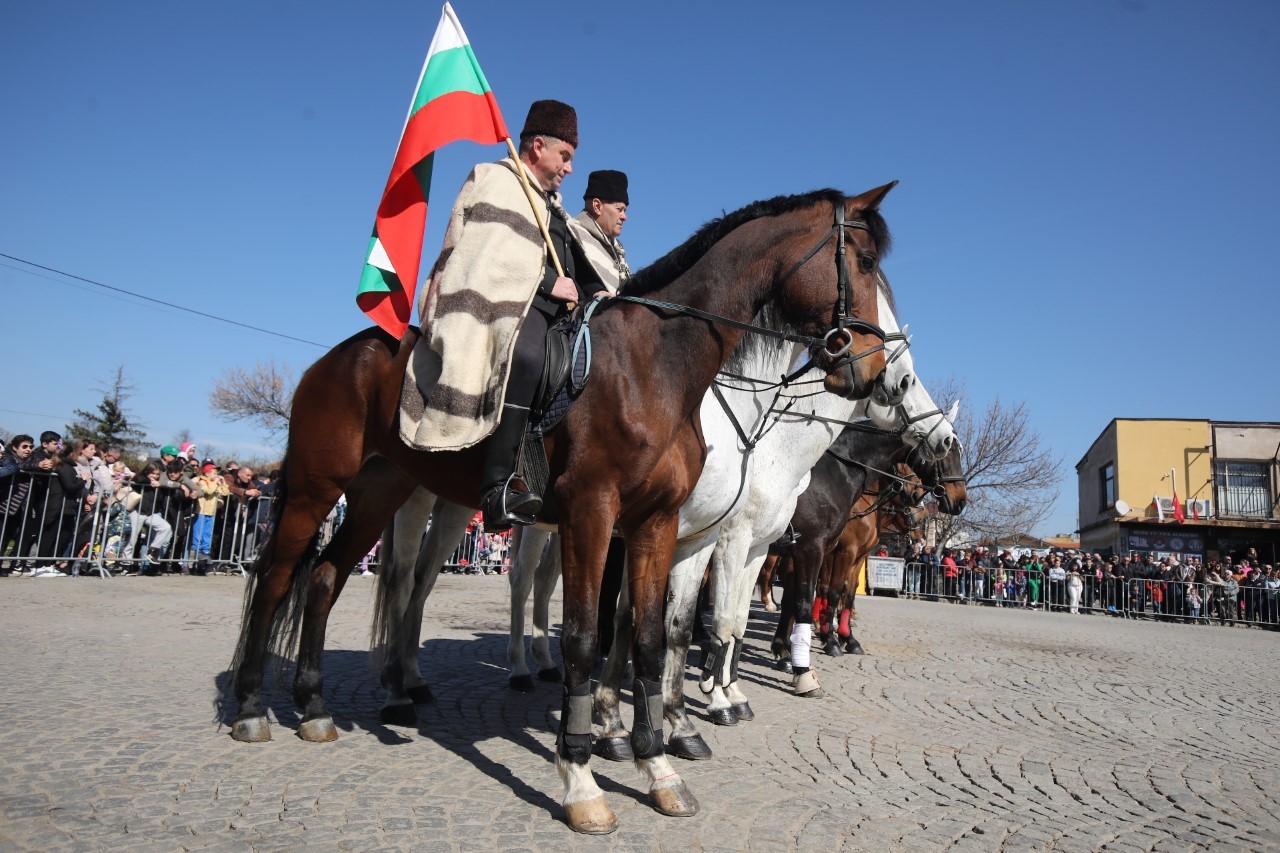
point(955, 410)
point(870, 200)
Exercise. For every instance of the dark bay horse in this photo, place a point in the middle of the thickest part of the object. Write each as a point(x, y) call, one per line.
point(835, 596)
point(627, 454)
point(837, 589)
point(861, 460)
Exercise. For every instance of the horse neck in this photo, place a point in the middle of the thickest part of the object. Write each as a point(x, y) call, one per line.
point(734, 280)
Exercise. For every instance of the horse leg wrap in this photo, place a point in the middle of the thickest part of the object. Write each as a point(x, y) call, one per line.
point(819, 605)
point(844, 624)
point(575, 724)
point(715, 656)
point(801, 637)
point(646, 732)
point(733, 661)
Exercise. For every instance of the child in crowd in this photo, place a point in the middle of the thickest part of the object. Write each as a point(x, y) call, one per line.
point(1194, 601)
point(212, 493)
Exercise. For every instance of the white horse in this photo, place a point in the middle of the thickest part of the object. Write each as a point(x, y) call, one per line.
point(761, 445)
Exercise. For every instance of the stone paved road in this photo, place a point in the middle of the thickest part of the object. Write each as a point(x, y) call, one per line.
point(965, 727)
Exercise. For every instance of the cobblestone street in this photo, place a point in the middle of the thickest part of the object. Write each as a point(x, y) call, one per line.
point(963, 727)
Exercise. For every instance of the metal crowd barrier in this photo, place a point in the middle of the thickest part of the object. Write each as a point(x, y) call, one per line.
point(1131, 598)
point(102, 535)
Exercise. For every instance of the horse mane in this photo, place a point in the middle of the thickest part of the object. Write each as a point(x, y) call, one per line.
point(675, 263)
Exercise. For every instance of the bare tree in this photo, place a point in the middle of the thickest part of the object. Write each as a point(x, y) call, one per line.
point(1012, 478)
point(263, 395)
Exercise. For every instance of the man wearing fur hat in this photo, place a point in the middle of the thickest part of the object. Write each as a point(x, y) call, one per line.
point(604, 212)
point(493, 293)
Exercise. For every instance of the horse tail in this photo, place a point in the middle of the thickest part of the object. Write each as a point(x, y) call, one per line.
point(385, 585)
point(286, 624)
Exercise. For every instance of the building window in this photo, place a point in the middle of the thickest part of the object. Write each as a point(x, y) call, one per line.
point(1107, 485)
point(1243, 489)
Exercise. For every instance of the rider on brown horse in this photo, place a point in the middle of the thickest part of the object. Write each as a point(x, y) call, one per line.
point(494, 292)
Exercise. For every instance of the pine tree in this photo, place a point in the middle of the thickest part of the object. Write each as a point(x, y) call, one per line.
point(110, 425)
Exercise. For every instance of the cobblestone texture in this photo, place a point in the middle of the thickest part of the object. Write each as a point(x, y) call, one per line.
point(964, 727)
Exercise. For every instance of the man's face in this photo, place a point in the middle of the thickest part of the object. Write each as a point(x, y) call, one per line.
point(609, 215)
point(111, 457)
point(550, 161)
point(51, 446)
point(244, 475)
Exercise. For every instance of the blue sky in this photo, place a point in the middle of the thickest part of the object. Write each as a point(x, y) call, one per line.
point(1084, 221)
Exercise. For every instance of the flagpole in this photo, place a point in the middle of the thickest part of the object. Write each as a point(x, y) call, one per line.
point(533, 203)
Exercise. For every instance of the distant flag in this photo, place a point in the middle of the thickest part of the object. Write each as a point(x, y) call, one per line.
point(1159, 509)
point(1195, 510)
point(452, 102)
point(1178, 515)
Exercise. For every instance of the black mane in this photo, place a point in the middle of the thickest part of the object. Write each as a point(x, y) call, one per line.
point(676, 262)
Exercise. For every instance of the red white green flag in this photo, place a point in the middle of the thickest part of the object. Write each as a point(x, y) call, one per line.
point(452, 102)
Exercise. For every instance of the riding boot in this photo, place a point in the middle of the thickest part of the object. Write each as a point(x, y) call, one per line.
point(503, 504)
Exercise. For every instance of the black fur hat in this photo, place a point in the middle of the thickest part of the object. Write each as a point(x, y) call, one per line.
point(551, 118)
point(607, 185)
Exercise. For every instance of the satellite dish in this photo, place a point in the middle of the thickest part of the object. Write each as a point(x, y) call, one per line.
point(1122, 508)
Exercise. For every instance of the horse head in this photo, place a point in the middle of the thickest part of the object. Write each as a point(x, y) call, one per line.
point(944, 478)
point(853, 355)
point(907, 504)
point(950, 488)
point(923, 425)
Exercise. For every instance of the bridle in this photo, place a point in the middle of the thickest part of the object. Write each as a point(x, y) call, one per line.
point(845, 323)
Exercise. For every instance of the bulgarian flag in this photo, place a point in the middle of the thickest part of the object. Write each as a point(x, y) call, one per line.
point(452, 101)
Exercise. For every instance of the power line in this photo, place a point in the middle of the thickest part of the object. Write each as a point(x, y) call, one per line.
point(162, 302)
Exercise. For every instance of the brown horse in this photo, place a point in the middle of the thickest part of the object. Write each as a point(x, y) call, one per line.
point(627, 454)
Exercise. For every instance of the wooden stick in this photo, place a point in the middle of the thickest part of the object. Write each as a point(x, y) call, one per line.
point(533, 202)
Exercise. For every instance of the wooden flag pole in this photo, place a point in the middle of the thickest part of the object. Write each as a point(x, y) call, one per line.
point(533, 202)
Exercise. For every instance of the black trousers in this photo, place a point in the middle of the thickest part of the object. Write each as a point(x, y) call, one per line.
point(528, 358)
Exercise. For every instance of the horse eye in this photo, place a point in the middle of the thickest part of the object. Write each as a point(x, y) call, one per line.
point(866, 263)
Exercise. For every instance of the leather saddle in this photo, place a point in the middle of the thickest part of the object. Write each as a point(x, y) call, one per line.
point(565, 372)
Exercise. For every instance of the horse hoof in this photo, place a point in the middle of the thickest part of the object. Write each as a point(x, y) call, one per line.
point(251, 730)
point(692, 747)
point(674, 800)
point(723, 716)
point(521, 683)
point(806, 686)
point(853, 647)
point(399, 715)
point(614, 749)
point(550, 674)
point(783, 665)
point(591, 817)
point(318, 730)
point(744, 712)
point(421, 695)
point(833, 649)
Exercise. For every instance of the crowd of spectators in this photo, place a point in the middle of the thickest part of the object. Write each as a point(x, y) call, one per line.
point(66, 507)
point(1136, 586)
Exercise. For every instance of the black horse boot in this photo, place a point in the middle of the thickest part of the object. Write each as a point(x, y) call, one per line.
point(503, 504)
